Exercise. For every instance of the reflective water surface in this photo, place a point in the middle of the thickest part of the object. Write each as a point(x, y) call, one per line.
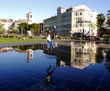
point(72, 66)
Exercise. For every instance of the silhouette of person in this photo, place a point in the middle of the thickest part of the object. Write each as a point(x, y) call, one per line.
point(50, 71)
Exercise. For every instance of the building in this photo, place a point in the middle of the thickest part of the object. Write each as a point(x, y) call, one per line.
point(6, 23)
point(75, 19)
point(29, 20)
point(40, 28)
point(10, 24)
point(78, 55)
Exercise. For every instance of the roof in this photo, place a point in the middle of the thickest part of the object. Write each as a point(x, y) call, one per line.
point(81, 7)
point(81, 10)
point(6, 20)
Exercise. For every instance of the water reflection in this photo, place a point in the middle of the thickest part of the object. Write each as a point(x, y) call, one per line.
point(107, 61)
point(6, 49)
point(30, 55)
point(66, 66)
point(50, 71)
point(74, 54)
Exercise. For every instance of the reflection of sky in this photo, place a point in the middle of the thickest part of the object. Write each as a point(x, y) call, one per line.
point(14, 67)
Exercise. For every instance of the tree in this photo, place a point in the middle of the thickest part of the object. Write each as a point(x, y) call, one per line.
point(108, 18)
point(1, 26)
point(2, 30)
point(34, 28)
point(92, 26)
point(23, 28)
point(108, 13)
point(108, 21)
point(100, 21)
point(99, 56)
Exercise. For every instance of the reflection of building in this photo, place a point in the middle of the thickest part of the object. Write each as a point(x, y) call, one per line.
point(77, 55)
point(82, 55)
point(30, 55)
point(6, 49)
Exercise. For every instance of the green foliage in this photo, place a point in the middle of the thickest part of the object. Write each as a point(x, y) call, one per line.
point(92, 26)
point(62, 37)
point(34, 28)
point(23, 28)
point(15, 31)
point(2, 30)
point(100, 20)
point(99, 56)
point(13, 39)
point(1, 26)
point(108, 13)
point(108, 21)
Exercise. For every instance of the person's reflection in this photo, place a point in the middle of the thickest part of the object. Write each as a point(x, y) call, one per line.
point(50, 71)
point(30, 55)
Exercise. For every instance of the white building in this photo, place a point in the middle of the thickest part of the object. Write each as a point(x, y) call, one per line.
point(75, 19)
point(29, 20)
point(6, 23)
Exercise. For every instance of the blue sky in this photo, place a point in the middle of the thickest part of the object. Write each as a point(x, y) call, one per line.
point(42, 9)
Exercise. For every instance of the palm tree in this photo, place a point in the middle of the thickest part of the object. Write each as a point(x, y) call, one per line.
point(108, 18)
point(100, 21)
point(108, 13)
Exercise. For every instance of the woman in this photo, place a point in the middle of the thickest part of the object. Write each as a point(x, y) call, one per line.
point(49, 40)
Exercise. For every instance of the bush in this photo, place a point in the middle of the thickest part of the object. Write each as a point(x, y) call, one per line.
point(14, 31)
point(105, 38)
point(2, 31)
point(62, 37)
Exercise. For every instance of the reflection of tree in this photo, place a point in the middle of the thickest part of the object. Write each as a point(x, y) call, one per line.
point(32, 47)
point(99, 56)
point(107, 64)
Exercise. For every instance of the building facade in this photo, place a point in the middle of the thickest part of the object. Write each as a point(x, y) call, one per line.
point(29, 20)
point(10, 24)
point(75, 19)
point(6, 23)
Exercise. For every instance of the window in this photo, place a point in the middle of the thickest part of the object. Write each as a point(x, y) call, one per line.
point(76, 13)
point(80, 24)
point(76, 24)
point(80, 13)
